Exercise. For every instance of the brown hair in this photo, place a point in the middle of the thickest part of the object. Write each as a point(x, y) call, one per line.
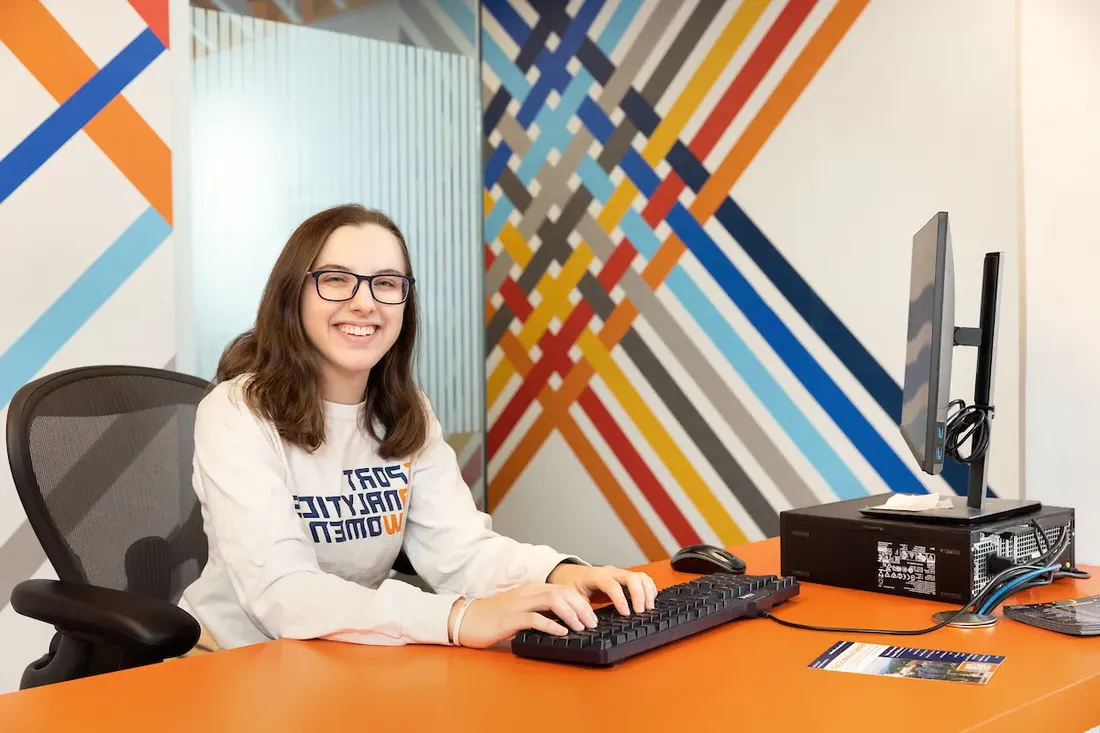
point(284, 387)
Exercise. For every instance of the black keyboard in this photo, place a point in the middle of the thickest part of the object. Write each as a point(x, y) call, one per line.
point(681, 610)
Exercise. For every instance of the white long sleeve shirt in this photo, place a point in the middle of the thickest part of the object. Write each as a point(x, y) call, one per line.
point(301, 545)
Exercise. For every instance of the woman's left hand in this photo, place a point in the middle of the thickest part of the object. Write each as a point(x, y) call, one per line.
point(609, 581)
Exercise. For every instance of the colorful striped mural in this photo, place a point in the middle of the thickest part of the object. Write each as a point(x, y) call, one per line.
point(626, 285)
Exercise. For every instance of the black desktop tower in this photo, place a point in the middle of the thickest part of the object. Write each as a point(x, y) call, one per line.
point(834, 544)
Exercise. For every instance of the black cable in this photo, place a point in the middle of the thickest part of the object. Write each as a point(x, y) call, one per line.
point(1009, 574)
point(1041, 536)
point(969, 421)
point(840, 630)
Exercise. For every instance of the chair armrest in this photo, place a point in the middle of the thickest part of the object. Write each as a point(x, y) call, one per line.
point(146, 625)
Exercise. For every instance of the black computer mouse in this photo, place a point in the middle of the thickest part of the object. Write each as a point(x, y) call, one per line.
point(706, 559)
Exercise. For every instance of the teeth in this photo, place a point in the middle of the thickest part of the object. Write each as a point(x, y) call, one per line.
point(356, 330)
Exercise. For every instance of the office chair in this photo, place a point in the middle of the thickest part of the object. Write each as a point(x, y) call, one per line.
point(101, 459)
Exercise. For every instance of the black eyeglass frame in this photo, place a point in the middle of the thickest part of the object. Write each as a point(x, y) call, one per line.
point(316, 275)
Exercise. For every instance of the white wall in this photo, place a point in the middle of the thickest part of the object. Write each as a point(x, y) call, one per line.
point(1060, 96)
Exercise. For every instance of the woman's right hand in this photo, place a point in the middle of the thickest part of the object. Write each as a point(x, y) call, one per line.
point(489, 621)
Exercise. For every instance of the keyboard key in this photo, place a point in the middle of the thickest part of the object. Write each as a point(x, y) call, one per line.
point(681, 611)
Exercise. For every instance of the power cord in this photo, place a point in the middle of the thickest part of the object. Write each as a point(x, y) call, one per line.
point(1009, 581)
point(968, 421)
point(841, 630)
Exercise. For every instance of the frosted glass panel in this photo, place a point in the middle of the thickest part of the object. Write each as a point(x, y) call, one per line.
point(288, 120)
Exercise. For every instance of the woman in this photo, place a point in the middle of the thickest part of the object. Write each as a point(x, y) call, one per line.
point(317, 460)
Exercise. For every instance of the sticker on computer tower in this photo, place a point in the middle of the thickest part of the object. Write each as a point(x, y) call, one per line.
point(907, 568)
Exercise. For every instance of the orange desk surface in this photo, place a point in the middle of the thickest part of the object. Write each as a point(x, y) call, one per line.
point(747, 675)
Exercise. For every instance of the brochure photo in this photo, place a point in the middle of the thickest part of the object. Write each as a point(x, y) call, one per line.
point(897, 661)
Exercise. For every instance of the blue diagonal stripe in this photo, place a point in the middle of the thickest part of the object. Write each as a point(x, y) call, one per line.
point(736, 352)
point(820, 385)
point(511, 21)
point(461, 15)
point(496, 219)
point(552, 74)
point(511, 78)
point(38, 344)
point(832, 331)
point(38, 147)
point(553, 122)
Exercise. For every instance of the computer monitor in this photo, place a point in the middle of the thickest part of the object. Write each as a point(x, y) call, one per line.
point(934, 431)
point(930, 336)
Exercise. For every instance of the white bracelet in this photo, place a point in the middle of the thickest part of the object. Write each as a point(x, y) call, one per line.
point(458, 619)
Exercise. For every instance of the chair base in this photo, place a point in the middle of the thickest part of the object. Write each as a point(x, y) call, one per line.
point(70, 658)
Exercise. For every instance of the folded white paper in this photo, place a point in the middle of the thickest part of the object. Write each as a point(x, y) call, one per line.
point(917, 502)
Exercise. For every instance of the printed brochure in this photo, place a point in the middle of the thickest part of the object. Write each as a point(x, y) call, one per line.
point(897, 661)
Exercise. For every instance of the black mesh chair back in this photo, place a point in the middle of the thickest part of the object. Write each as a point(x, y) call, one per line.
point(101, 458)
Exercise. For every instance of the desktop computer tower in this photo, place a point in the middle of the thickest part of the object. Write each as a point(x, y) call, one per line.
point(834, 544)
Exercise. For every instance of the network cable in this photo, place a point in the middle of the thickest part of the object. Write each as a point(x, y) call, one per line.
point(1007, 582)
point(1014, 586)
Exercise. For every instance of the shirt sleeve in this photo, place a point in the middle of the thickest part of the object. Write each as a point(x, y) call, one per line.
point(268, 556)
point(451, 544)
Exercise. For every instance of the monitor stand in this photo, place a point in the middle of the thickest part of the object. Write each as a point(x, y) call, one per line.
point(961, 512)
point(975, 507)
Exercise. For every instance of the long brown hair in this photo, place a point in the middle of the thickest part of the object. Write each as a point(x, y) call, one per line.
point(284, 386)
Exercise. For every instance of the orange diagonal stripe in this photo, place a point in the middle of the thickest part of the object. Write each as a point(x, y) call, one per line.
point(603, 478)
point(621, 504)
point(789, 89)
point(59, 65)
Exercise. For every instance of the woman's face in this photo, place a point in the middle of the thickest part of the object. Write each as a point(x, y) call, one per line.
point(352, 335)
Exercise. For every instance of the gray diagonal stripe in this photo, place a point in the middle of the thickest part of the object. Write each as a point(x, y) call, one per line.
point(684, 411)
point(554, 179)
point(514, 189)
point(678, 51)
point(693, 423)
point(419, 16)
point(495, 275)
point(486, 95)
point(510, 130)
point(22, 554)
point(770, 458)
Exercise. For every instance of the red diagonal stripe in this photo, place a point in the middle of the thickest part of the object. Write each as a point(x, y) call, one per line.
point(155, 15)
point(639, 472)
point(734, 99)
point(516, 299)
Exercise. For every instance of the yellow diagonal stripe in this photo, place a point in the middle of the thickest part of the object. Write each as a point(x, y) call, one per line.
point(734, 34)
point(515, 245)
point(668, 131)
point(659, 439)
point(554, 292)
point(499, 379)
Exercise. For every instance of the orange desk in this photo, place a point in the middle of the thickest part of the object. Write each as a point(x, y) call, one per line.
point(747, 675)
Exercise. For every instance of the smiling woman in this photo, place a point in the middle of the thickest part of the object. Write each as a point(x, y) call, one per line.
point(314, 318)
point(317, 460)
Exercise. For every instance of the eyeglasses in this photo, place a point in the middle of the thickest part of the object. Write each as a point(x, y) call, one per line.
point(338, 286)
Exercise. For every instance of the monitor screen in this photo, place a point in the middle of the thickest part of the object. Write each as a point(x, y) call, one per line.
point(921, 359)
